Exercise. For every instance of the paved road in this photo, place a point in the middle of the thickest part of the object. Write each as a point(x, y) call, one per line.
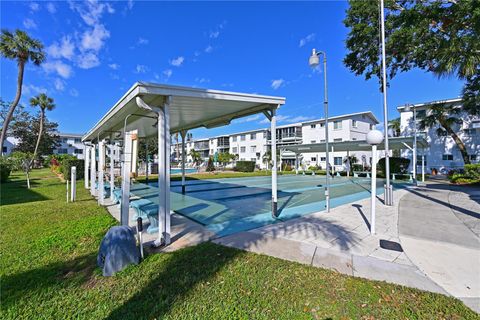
point(439, 228)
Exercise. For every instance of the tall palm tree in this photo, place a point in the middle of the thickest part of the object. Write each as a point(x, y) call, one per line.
point(20, 47)
point(45, 103)
point(445, 116)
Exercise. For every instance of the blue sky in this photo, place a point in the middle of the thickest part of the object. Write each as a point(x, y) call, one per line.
point(97, 50)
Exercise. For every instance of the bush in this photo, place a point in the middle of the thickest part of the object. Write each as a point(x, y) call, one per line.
point(210, 166)
point(397, 165)
point(69, 162)
point(357, 167)
point(245, 166)
point(473, 170)
point(287, 168)
point(6, 167)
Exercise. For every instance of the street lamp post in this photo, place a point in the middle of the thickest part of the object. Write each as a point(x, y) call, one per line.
point(374, 138)
point(314, 61)
point(409, 108)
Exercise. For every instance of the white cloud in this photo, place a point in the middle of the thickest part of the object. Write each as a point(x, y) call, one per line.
point(208, 49)
point(288, 119)
point(94, 39)
point(249, 119)
point(177, 62)
point(228, 85)
point(91, 11)
point(62, 69)
point(64, 49)
point(141, 41)
point(277, 83)
point(167, 73)
point(59, 84)
point(31, 89)
point(51, 8)
point(130, 4)
point(34, 6)
point(29, 24)
point(196, 53)
point(307, 39)
point(113, 66)
point(88, 60)
point(141, 69)
point(202, 80)
point(74, 92)
point(214, 34)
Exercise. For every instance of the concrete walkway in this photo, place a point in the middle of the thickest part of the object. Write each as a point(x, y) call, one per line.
point(441, 252)
point(438, 229)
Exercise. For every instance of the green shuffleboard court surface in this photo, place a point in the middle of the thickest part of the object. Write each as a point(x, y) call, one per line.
point(231, 205)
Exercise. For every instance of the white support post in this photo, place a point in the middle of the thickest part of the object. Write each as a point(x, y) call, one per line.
point(423, 165)
point(166, 232)
point(86, 166)
point(127, 166)
point(101, 172)
point(348, 164)
point(93, 170)
point(373, 189)
point(296, 163)
point(73, 186)
point(273, 129)
point(183, 134)
point(112, 170)
point(146, 160)
point(333, 165)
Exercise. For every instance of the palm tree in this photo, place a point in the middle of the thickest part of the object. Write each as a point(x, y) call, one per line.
point(394, 125)
point(445, 116)
point(195, 156)
point(45, 103)
point(20, 47)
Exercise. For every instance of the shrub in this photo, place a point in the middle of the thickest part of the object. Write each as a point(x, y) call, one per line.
point(397, 165)
point(287, 168)
point(245, 166)
point(210, 166)
point(69, 162)
point(357, 167)
point(6, 167)
point(314, 168)
point(473, 170)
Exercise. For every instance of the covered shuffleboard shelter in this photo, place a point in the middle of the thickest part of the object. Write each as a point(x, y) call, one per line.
point(149, 110)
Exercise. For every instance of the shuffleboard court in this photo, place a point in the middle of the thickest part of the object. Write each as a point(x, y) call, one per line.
point(231, 205)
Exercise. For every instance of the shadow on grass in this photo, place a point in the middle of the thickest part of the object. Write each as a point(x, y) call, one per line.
point(15, 192)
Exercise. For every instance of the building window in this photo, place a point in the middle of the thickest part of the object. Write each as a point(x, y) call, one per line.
point(314, 159)
point(322, 140)
point(354, 139)
point(234, 149)
point(242, 149)
point(77, 140)
point(253, 136)
point(337, 125)
point(337, 161)
point(354, 123)
point(419, 160)
point(253, 148)
point(313, 141)
point(242, 137)
point(470, 132)
point(323, 159)
point(447, 157)
point(337, 140)
point(421, 114)
point(78, 151)
point(62, 151)
point(372, 126)
point(64, 140)
point(322, 125)
point(313, 126)
point(234, 138)
point(473, 157)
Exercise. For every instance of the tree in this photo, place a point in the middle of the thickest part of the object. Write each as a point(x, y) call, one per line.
point(394, 126)
point(225, 158)
point(152, 148)
point(196, 158)
point(436, 36)
point(446, 116)
point(267, 157)
point(210, 166)
point(27, 130)
point(350, 161)
point(22, 161)
point(20, 47)
point(45, 103)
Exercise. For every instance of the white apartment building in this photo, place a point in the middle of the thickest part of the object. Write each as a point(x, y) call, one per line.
point(252, 145)
point(443, 153)
point(9, 144)
point(70, 143)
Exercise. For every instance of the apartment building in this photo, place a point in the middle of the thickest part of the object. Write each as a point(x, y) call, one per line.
point(252, 145)
point(443, 153)
point(70, 143)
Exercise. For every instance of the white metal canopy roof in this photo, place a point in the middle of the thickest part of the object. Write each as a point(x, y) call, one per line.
point(189, 108)
point(357, 145)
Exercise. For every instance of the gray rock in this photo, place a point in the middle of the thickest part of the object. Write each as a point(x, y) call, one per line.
point(117, 250)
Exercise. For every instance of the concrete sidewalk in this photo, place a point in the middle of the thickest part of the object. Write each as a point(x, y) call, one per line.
point(340, 240)
point(438, 229)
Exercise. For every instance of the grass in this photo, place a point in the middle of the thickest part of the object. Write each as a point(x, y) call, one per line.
point(48, 271)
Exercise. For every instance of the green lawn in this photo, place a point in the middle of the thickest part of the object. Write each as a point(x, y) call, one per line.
point(48, 252)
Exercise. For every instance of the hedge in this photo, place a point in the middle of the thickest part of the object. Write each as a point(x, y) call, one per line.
point(5, 169)
point(68, 163)
point(245, 166)
point(397, 165)
point(473, 170)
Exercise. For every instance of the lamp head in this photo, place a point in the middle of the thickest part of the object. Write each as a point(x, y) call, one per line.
point(374, 137)
point(314, 60)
